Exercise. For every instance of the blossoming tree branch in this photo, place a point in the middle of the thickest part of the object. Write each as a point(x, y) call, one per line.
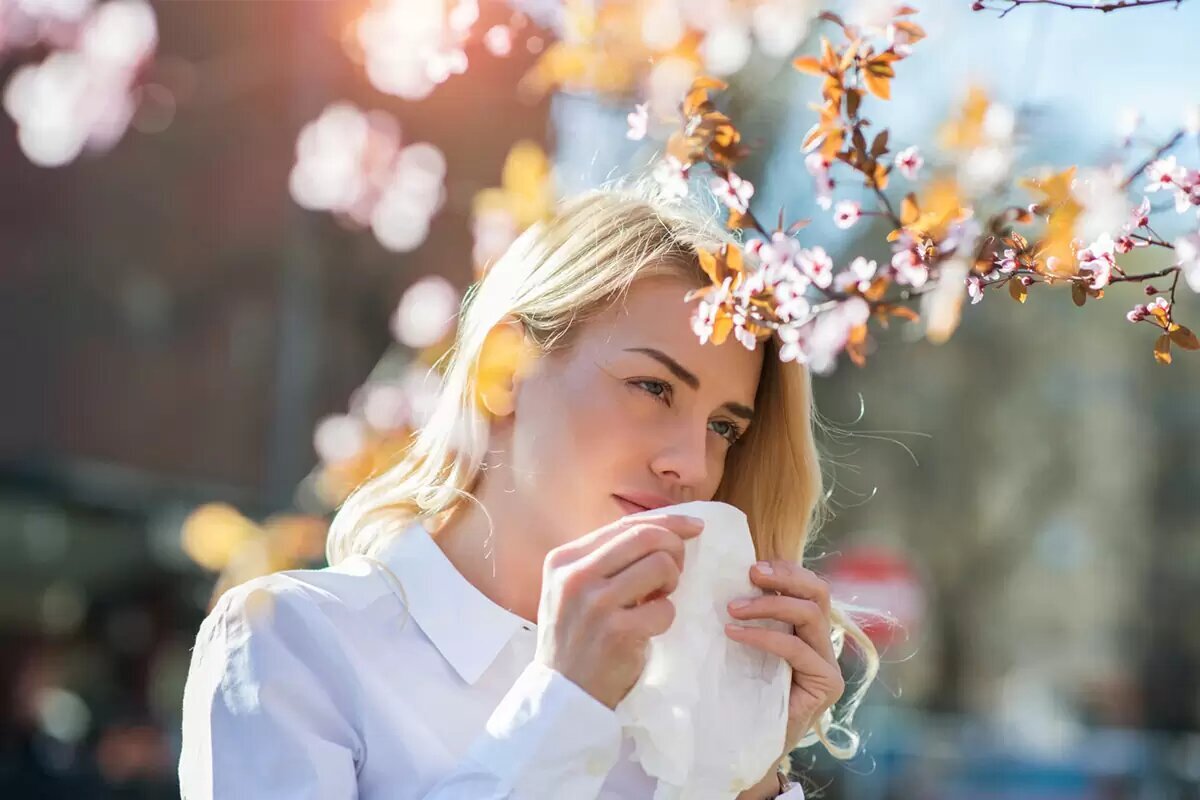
point(943, 247)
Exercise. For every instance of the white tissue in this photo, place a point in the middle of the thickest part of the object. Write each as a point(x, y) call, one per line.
point(708, 716)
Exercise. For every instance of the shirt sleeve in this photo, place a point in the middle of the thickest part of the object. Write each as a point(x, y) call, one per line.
point(546, 739)
point(257, 719)
point(794, 793)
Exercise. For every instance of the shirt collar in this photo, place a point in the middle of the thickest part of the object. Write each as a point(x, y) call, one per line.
point(466, 626)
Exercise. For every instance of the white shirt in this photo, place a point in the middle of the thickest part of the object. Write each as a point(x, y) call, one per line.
point(336, 683)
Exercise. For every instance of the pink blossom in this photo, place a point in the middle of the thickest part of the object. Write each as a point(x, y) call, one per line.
point(1141, 214)
point(817, 265)
point(793, 349)
point(1137, 313)
point(1163, 173)
point(638, 120)
point(778, 256)
point(741, 333)
point(909, 162)
point(859, 275)
point(818, 166)
point(1188, 193)
point(1159, 302)
point(1008, 262)
point(671, 175)
point(1097, 258)
point(498, 40)
point(734, 191)
point(974, 288)
point(846, 213)
point(1187, 250)
point(909, 269)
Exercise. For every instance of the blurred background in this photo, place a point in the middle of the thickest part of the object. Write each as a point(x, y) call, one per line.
point(232, 238)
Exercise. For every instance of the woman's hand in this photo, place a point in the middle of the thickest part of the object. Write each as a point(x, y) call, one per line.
point(604, 595)
point(795, 595)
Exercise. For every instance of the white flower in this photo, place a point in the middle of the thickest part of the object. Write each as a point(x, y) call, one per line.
point(909, 162)
point(1163, 173)
point(638, 120)
point(910, 270)
point(1098, 259)
point(671, 175)
point(974, 288)
point(818, 166)
point(734, 191)
point(1187, 249)
point(793, 348)
point(859, 274)
point(846, 213)
point(1141, 214)
point(817, 265)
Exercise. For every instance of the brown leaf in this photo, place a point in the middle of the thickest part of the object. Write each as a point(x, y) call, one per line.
point(1078, 293)
point(879, 146)
point(1017, 290)
point(1162, 349)
point(853, 101)
point(858, 140)
point(1185, 338)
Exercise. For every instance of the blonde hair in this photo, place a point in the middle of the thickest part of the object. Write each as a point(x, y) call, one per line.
point(556, 275)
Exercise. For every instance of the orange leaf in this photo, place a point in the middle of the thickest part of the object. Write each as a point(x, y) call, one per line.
point(909, 210)
point(877, 85)
point(905, 313)
point(708, 263)
point(721, 328)
point(808, 65)
point(1162, 349)
point(1183, 337)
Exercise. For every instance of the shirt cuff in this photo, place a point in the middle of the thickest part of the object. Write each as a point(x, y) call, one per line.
point(549, 738)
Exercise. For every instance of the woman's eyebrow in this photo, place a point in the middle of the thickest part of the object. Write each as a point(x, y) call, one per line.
point(688, 377)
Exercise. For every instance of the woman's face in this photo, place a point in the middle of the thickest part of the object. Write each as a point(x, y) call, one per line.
point(635, 414)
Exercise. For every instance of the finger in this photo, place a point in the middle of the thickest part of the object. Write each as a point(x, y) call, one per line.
point(630, 545)
point(792, 579)
point(804, 615)
point(803, 659)
point(651, 618)
point(654, 574)
point(685, 526)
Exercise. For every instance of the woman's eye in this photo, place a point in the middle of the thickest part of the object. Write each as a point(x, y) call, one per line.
point(659, 389)
point(731, 431)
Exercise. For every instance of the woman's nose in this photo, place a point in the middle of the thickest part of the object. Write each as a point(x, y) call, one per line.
point(682, 456)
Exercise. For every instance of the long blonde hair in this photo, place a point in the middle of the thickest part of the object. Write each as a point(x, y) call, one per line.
point(556, 275)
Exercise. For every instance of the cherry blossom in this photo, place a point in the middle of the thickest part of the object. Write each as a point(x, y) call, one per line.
point(858, 275)
point(1187, 249)
point(671, 175)
point(909, 269)
point(909, 162)
point(974, 288)
point(1097, 258)
point(819, 167)
point(734, 191)
point(638, 120)
point(1162, 174)
point(846, 213)
point(817, 265)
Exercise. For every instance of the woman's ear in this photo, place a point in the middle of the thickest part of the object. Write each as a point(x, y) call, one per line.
point(504, 359)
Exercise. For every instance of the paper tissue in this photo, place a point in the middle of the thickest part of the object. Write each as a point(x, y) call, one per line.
point(708, 716)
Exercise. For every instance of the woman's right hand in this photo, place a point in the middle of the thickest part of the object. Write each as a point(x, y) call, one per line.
point(604, 595)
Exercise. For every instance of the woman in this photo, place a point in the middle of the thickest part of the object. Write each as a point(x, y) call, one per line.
point(503, 537)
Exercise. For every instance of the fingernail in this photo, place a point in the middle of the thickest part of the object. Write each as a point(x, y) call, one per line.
point(695, 522)
point(738, 604)
point(765, 568)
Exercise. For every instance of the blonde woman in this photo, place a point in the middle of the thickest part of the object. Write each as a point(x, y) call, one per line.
point(503, 537)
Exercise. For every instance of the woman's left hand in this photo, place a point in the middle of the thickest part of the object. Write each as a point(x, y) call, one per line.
point(794, 595)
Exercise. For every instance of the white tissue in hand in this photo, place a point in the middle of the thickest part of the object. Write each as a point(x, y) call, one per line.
point(708, 716)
